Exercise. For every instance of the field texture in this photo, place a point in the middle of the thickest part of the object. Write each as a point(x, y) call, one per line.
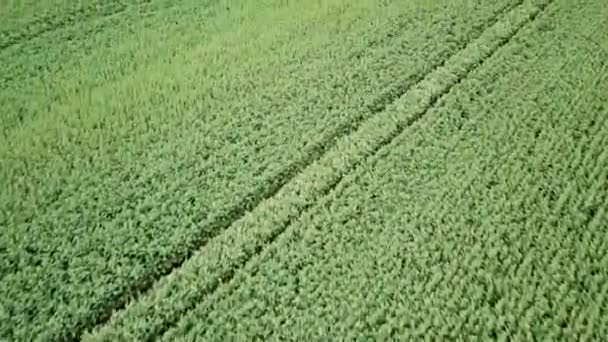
point(295, 170)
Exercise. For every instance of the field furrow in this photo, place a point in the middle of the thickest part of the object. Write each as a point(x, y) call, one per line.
point(218, 261)
point(423, 241)
point(208, 136)
point(288, 170)
point(26, 20)
point(43, 75)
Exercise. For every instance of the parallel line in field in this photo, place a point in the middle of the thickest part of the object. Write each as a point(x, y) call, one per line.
point(523, 180)
point(357, 53)
point(315, 153)
point(400, 129)
point(72, 18)
point(589, 143)
point(23, 37)
point(387, 139)
point(153, 273)
point(391, 95)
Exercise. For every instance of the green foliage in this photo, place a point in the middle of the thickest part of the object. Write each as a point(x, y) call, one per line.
point(356, 168)
point(485, 219)
point(154, 135)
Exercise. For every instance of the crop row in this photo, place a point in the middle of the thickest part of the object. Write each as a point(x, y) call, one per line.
point(217, 262)
point(113, 188)
point(487, 219)
point(44, 74)
point(25, 20)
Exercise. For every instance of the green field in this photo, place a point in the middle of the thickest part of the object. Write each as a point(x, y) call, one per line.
point(292, 170)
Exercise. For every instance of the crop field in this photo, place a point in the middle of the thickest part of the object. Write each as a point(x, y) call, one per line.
point(220, 170)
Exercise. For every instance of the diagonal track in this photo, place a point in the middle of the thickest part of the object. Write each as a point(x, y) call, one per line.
point(106, 301)
point(48, 24)
point(464, 70)
point(424, 94)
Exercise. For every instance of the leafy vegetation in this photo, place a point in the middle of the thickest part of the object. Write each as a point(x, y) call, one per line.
point(357, 168)
point(116, 175)
point(486, 218)
point(217, 261)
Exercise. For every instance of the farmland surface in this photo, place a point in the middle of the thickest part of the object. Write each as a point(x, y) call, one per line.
point(231, 170)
